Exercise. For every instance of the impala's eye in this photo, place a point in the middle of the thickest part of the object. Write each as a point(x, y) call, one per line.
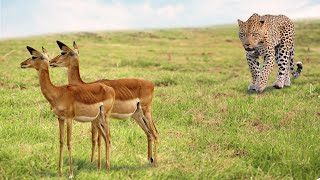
point(33, 57)
point(63, 53)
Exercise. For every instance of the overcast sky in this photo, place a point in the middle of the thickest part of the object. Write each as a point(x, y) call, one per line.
point(34, 17)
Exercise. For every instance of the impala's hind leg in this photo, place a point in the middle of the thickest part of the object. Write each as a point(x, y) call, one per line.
point(102, 123)
point(142, 121)
point(147, 111)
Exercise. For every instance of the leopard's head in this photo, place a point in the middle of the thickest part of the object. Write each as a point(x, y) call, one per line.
point(251, 32)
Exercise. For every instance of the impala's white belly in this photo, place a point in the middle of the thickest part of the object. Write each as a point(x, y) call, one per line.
point(121, 116)
point(85, 118)
point(124, 109)
point(87, 113)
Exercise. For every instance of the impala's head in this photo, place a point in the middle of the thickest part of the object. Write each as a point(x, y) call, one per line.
point(37, 61)
point(67, 57)
point(251, 32)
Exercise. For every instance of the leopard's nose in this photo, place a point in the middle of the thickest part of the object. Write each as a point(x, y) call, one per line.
point(247, 44)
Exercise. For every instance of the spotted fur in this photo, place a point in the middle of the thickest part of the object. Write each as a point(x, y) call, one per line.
point(271, 37)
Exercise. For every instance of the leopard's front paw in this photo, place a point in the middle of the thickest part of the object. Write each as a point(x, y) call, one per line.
point(260, 88)
point(251, 87)
point(278, 85)
point(287, 82)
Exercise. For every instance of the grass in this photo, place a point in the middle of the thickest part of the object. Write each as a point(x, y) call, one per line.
point(210, 126)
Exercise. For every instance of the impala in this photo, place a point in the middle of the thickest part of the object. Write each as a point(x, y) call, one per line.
point(83, 103)
point(129, 92)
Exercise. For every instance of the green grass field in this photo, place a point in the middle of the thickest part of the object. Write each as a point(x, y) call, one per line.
point(210, 126)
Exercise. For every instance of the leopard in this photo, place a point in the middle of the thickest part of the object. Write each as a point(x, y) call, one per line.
point(270, 37)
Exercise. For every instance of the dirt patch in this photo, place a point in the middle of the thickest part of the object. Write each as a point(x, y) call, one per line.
point(165, 82)
point(260, 127)
point(239, 152)
point(286, 119)
point(14, 86)
point(200, 119)
point(223, 110)
point(213, 147)
point(218, 95)
point(175, 134)
point(234, 151)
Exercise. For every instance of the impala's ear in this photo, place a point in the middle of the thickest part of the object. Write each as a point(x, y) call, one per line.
point(75, 46)
point(44, 50)
point(31, 50)
point(62, 46)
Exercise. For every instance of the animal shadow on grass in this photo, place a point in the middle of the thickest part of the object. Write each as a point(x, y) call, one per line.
point(266, 90)
point(45, 173)
point(85, 165)
point(133, 167)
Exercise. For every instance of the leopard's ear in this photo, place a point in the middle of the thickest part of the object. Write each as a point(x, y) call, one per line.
point(254, 16)
point(240, 22)
point(261, 20)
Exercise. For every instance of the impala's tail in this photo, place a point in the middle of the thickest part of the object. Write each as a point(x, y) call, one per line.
point(101, 123)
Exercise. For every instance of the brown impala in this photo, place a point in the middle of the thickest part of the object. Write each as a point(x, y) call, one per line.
point(83, 103)
point(132, 95)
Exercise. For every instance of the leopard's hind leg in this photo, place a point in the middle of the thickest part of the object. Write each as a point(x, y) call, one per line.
point(287, 81)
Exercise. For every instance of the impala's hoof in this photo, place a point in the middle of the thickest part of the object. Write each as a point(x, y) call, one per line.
point(71, 177)
point(151, 160)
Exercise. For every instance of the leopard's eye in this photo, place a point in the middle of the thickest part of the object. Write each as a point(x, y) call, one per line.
point(241, 34)
point(255, 34)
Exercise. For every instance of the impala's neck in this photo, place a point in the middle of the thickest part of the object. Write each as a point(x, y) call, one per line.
point(74, 74)
point(49, 91)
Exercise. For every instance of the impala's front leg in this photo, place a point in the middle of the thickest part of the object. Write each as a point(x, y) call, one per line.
point(99, 150)
point(61, 132)
point(69, 132)
point(269, 59)
point(94, 132)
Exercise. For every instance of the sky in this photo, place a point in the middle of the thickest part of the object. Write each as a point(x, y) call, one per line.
point(19, 18)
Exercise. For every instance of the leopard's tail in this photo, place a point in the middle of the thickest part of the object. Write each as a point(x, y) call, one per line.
point(298, 71)
point(295, 73)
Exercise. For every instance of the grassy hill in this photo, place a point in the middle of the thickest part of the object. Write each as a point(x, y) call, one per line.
point(209, 125)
